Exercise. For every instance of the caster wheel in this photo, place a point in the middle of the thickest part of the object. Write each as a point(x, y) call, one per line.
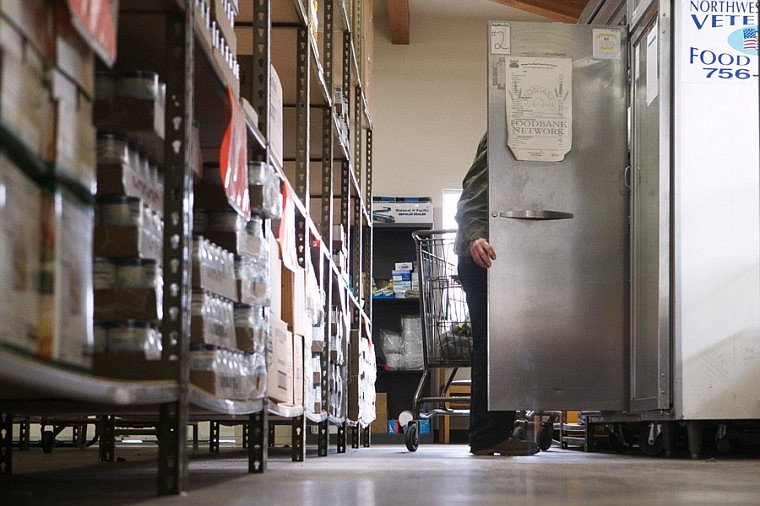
point(648, 447)
point(412, 437)
point(544, 438)
point(723, 445)
point(48, 441)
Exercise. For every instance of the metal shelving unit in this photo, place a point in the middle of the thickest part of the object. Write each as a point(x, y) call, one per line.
point(195, 89)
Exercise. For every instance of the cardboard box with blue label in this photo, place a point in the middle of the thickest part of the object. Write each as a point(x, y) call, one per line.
point(402, 210)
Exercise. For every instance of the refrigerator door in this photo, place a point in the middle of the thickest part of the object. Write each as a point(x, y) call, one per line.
point(650, 215)
point(558, 158)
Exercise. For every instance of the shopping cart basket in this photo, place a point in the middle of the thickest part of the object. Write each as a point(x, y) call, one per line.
point(446, 328)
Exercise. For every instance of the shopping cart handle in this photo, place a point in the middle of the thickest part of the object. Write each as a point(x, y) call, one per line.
point(422, 234)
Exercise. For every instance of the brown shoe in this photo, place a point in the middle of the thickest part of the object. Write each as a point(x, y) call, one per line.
point(510, 447)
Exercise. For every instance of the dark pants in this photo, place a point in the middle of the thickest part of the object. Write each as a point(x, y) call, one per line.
point(486, 427)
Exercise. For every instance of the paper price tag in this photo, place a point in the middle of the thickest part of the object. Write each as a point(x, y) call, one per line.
point(500, 38)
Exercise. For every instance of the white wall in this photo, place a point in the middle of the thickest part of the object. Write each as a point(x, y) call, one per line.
point(430, 98)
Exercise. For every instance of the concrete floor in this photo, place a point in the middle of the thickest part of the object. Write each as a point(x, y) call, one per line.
point(385, 475)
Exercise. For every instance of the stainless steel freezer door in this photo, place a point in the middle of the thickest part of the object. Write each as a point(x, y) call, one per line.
point(558, 288)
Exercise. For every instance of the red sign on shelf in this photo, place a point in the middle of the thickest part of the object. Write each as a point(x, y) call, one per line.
point(233, 159)
point(95, 20)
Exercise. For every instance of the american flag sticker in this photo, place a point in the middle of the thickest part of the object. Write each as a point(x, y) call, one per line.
point(750, 38)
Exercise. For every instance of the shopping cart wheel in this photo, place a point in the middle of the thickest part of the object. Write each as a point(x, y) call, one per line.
point(412, 436)
point(544, 439)
point(48, 441)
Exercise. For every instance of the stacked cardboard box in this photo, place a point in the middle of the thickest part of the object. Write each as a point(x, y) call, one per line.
point(46, 93)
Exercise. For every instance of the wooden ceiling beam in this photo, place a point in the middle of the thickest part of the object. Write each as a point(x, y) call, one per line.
point(567, 11)
point(398, 17)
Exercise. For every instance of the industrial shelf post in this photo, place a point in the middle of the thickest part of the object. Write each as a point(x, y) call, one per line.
point(172, 471)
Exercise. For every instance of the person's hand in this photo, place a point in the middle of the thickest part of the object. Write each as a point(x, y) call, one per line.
point(482, 252)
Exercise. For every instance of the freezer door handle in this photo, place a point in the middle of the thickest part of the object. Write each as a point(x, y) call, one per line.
point(532, 214)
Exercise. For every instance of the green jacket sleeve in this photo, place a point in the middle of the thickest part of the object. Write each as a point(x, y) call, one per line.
point(472, 208)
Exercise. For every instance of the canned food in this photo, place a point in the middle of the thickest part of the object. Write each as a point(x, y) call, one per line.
point(112, 148)
point(129, 335)
point(137, 273)
point(103, 274)
point(121, 211)
point(100, 337)
point(118, 210)
point(141, 84)
point(258, 173)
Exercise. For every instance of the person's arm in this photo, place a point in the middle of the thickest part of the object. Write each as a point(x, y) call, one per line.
point(472, 210)
point(482, 252)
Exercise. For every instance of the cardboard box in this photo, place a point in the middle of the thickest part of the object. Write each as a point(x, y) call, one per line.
point(210, 196)
point(132, 365)
point(380, 425)
point(25, 104)
point(122, 179)
point(215, 327)
point(19, 258)
point(240, 243)
point(66, 305)
point(402, 210)
point(280, 362)
point(118, 304)
point(142, 121)
point(250, 340)
point(211, 382)
point(74, 148)
point(73, 56)
point(293, 299)
point(215, 275)
point(34, 21)
point(255, 292)
point(127, 242)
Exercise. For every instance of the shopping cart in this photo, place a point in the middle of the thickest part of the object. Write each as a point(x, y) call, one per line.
point(447, 344)
point(446, 329)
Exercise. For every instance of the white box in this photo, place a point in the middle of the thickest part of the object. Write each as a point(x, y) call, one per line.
point(19, 257)
point(298, 369)
point(74, 148)
point(25, 105)
point(280, 362)
point(275, 116)
point(418, 210)
point(66, 298)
